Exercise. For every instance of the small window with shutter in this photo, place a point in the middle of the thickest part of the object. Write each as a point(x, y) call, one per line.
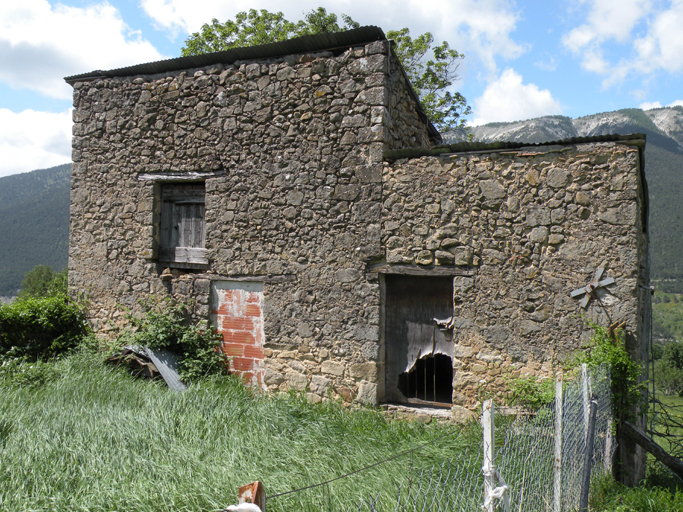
point(182, 225)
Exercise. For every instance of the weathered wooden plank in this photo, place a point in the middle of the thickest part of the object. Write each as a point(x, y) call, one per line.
point(201, 230)
point(175, 226)
point(179, 176)
point(166, 224)
point(285, 278)
point(183, 255)
point(414, 270)
point(637, 435)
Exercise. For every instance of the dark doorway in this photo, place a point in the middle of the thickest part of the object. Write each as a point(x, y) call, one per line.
point(430, 380)
point(419, 355)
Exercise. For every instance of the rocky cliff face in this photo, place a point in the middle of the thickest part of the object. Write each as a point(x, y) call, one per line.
point(665, 122)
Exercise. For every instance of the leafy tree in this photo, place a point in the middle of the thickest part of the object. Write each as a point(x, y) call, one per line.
point(42, 281)
point(431, 68)
point(261, 27)
point(669, 369)
point(431, 77)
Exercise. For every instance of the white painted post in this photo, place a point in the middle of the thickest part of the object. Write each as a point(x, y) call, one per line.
point(491, 492)
point(607, 462)
point(559, 409)
point(586, 398)
point(489, 468)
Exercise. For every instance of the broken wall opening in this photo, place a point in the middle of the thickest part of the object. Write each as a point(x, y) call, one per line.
point(418, 354)
point(430, 380)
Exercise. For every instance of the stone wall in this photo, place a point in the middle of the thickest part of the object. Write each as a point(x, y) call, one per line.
point(529, 226)
point(290, 151)
point(302, 215)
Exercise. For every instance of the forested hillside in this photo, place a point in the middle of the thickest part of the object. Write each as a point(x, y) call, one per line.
point(34, 215)
point(34, 207)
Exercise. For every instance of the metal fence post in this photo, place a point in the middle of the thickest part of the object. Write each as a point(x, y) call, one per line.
point(557, 473)
point(588, 457)
point(607, 459)
point(491, 476)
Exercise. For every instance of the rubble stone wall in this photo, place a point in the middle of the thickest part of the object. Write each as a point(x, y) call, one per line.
point(530, 227)
point(290, 151)
point(300, 204)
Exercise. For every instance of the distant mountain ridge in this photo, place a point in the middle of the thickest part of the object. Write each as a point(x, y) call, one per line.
point(34, 206)
point(663, 128)
point(661, 124)
point(34, 215)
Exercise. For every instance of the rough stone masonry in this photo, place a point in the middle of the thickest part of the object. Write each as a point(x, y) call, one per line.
point(285, 170)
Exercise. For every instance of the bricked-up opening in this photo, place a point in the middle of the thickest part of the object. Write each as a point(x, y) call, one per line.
point(431, 380)
point(418, 358)
point(182, 226)
point(237, 314)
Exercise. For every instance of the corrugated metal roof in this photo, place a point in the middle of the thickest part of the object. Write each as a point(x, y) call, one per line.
point(303, 44)
point(468, 147)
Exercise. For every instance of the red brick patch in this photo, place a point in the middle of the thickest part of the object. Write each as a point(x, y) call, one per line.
point(242, 363)
point(239, 319)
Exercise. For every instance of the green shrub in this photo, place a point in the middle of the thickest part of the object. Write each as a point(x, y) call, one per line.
point(42, 281)
point(18, 372)
point(531, 392)
point(608, 350)
point(609, 496)
point(40, 328)
point(165, 326)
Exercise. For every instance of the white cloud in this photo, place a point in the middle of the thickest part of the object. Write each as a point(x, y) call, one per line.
point(479, 28)
point(508, 99)
point(607, 20)
point(676, 103)
point(40, 44)
point(547, 65)
point(33, 140)
point(650, 105)
point(649, 32)
point(662, 47)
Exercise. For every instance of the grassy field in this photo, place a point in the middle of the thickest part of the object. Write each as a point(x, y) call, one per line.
point(91, 438)
point(77, 435)
point(667, 315)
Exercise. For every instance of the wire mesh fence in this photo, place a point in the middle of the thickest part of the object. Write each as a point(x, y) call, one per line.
point(454, 485)
point(538, 466)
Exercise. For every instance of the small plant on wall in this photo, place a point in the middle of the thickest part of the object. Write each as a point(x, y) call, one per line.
point(530, 392)
point(607, 349)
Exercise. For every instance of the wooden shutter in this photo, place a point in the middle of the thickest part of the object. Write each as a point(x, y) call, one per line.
point(182, 229)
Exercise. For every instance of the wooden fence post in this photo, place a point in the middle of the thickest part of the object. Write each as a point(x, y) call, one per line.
point(488, 467)
point(253, 493)
point(559, 411)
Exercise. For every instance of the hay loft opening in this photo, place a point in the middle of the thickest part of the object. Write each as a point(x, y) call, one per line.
point(419, 364)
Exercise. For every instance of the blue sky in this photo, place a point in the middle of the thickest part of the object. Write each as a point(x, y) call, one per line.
point(522, 59)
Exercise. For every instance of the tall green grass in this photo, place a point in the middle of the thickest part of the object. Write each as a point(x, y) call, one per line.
point(91, 438)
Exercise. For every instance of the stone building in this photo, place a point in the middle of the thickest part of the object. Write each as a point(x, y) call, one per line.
point(295, 195)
